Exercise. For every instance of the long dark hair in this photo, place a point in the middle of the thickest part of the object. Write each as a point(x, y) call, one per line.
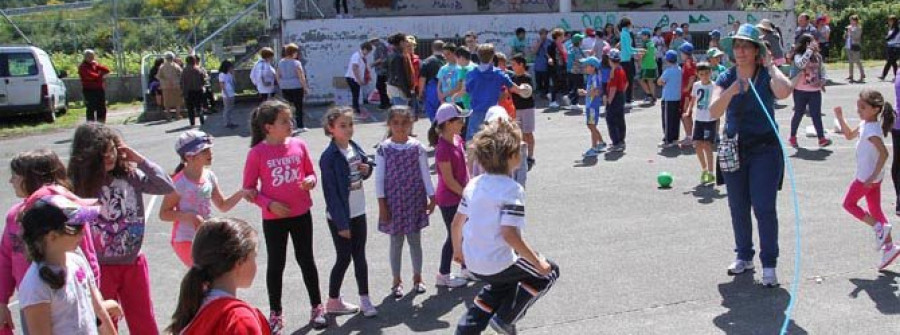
point(38, 168)
point(226, 66)
point(333, 114)
point(35, 244)
point(219, 245)
point(86, 169)
point(266, 113)
point(875, 99)
point(802, 43)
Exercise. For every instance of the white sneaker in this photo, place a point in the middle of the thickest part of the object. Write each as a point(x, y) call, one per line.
point(449, 280)
point(340, 307)
point(890, 254)
point(365, 304)
point(769, 278)
point(553, 104)
point(500, 327)
point(465, 273)
point(738, 267)
point(317, 317)
point(882, 231)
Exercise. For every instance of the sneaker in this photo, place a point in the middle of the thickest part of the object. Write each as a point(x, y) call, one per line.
point(704, 176)
point(530, 163)
point(468, 275)
point(600, 146)
point(711, 177)
point(769, 278)
point(738, 267)
point(419, 288)
point(397, 291)
point(686, 142)
point(501, 327)
point(890, 254)
point(590, 153)
point(666, 144)
point(365, 305)
point(553, 104)
point(276, 322)
point(317, 317)
point(793, 141)
point(449, 280)
point(882, 232)
point(339, 307)
point(824, 142)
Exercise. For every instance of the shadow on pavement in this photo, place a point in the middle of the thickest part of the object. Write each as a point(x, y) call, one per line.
point(812, 155)
point(422, 317)
point(706, 194)
point(613, 156)
point(752, 308)
point(882, 291)
point(586, 162)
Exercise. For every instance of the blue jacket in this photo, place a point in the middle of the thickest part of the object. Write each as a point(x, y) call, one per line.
point(336, 182)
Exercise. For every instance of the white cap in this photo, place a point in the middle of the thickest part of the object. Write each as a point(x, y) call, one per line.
point(496, 113)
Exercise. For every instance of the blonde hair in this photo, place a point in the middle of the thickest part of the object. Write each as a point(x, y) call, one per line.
point(411, 39)
point(291, 49)
point(495, 145)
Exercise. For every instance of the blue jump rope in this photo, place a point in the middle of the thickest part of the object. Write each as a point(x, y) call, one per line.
point(795, 282)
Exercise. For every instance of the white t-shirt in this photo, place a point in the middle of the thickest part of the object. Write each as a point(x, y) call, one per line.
point(228, 80)
point(588, 43)
point(703, 95)
point(356, 59)
point(490, 201)
point(866, 153)
point(71, 310)
point(357, 194)
point(193, 197)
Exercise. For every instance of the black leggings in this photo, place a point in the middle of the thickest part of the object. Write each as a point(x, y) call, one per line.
point(893, 55)
point(353, 249)
point(354, 92)
point(337, 6)
point(276, 233)
point(95, 103)
point(194, 100)
point(295, 97)
point(895, 166)
point(447, 212)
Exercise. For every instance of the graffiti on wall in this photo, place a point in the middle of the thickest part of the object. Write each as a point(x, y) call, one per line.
point(607, 5)
point(367, 8)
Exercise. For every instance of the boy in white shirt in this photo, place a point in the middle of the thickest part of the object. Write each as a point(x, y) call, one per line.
point(705, 127)
point(487, 236)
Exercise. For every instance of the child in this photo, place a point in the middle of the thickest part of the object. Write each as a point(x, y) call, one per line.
point(226, 83)
point(487, 236)
point(344, 166)
point(524, 106)
point(714, 56)
point(895, 138)
point(575, 72)
point(614, 100)
point(808, 76)
point(649, 71)
point(58, 294)
point(464, 64)
point(506, 100)
point(448, 83)
point(225, 255)
point(871, 154)
point(520, 174)
point(678, 40)
point(34, 173)
point(405, 194)
point(279, 168)
point(593, 97)
point(484, 86)
point(688, 76)
point(704, 125)
point(196, 190)
point(103, 166)
point(671, 100)
point(450, 163)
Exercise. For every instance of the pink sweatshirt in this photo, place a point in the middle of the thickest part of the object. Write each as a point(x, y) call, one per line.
point(14, 259)
point(280, 169)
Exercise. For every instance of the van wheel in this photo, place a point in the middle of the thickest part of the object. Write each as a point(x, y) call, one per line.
point(64, 109)
point(50, 113)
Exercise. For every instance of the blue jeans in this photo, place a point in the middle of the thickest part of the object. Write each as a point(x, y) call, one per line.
point(813, 100)
point(755, 185)
point(398, 101)
point(615, 119)
point(474, 123)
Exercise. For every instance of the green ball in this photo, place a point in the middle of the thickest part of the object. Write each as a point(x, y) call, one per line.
point(664, 179)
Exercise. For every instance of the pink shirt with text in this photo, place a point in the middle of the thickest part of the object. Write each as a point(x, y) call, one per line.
point(276, 171)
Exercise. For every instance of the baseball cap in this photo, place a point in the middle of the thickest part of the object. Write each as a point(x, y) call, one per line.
point(55, 213)
point(449, 111)
point(577, 38)
point(715, 34)
point(679, 31)
point(496, 113)
point(646, 32)
point(615, 55)
point(714, 52)
point(589, 32)
point(672, 56)
point(592, 61)
point(687, 48)
point(192, 142)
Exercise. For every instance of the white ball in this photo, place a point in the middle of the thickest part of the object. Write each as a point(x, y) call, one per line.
point(525, 91)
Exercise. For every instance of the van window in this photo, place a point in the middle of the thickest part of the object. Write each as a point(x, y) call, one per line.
point(21, 64)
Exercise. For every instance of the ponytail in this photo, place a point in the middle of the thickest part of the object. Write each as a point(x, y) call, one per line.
point(56, 280)
point(433, 134)
point(888, 117)
point(190, 299)
point(266, 113)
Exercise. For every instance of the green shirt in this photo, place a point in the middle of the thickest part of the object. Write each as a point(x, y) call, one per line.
point(463, 72)
point(649, 60)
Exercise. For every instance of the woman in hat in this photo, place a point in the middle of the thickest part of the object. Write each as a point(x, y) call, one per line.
point(854, 47)
point(755, 183)
point(771, 35)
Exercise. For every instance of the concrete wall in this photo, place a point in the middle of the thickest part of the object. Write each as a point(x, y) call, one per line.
point(128, 88)
point(326, 45)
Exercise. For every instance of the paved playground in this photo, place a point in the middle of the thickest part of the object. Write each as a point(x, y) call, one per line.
point(634, 259)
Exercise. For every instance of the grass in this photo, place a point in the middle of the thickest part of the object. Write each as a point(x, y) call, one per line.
point(867, 64)
point(34, 124)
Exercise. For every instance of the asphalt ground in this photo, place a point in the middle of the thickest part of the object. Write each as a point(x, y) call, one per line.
point(634, 259)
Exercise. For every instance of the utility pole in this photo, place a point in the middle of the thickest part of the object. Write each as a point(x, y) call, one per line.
point(117, 43)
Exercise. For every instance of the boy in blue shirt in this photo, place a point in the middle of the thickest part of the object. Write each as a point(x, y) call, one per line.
point(671, 100)
point(593, 100)
point(484, 84)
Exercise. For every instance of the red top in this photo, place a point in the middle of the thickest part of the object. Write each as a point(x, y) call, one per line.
point(506, 102)
point(92, 75)
point(668, 37)
point(688, 75)
point(618, 80)
point(228, 316)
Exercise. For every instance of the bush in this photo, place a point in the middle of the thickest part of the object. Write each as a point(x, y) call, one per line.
point(132, 61)
point(873, 19)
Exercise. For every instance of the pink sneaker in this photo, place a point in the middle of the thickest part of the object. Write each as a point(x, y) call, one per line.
point(276, 322)
point(317, 317)
point(340, 307)
point(890, 254)
point(793, 141)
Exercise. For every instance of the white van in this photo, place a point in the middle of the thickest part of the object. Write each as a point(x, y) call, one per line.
point(29, 83)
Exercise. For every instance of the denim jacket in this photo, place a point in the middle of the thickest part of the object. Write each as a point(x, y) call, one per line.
point(336, 182)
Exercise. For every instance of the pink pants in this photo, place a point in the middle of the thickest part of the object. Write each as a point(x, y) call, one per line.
point(857, 191)
point(130, 285)
point(183, 251)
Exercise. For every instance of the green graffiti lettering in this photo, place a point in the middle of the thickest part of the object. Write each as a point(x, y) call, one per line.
point(598, 22)
point(586, 20)
point(730, 19)
point(663, 21)
point(564, 25)
point(751, 18)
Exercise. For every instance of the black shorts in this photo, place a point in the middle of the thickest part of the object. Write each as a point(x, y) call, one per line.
point(705, 131)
